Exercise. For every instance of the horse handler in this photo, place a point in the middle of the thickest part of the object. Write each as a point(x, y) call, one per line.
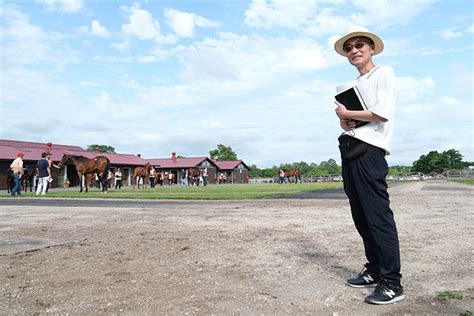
point(44, 174)
point(364, 167)
point(17, 167)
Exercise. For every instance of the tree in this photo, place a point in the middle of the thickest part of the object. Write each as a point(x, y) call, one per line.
point(223, 153)
point(454, 158)
point(102, 148)
point(329, 167)
point(438, 162)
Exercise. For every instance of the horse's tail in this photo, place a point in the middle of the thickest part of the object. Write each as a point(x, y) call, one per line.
point(106, 169)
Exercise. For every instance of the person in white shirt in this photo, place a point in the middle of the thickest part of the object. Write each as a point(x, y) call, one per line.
point(17, 168)
point(118, 179)
point(364, 167)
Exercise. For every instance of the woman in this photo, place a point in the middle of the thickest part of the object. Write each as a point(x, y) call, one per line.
point(365, 170)
point(118, 179)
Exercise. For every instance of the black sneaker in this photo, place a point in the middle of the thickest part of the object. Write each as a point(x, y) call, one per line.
point(363, 279)
point(385, 293)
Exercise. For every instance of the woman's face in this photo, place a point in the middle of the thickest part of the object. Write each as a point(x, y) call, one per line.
point(358, 51)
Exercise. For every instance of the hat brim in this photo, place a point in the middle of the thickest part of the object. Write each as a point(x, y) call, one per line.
point(339, 45)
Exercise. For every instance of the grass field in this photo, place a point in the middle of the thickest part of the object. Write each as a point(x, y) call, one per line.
point(210, 192)
point(470, 181)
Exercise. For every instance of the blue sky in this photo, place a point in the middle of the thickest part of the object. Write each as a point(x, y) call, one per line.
point(155, 77)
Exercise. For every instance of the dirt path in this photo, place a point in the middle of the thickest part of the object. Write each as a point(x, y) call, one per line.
point(239, 257)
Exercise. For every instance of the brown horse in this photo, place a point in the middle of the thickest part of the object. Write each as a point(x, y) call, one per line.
point(85, 166)
point(10, 180)
point(141, 173)
point(27, 180)
point(293, 173)
point(193, 176)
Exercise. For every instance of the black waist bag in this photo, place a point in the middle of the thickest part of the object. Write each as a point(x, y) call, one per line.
point(351, 148)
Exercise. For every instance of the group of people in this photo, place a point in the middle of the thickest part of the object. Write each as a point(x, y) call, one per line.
point(111, 176)
point(42, 173)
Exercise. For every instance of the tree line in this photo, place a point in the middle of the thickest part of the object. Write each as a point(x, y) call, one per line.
point(432, 162)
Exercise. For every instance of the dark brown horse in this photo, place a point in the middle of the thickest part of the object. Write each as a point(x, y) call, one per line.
point(141, 173)
point(85, 166)
point(293, 173)
point(27, 180)
point(10, 180)
point(193, 176)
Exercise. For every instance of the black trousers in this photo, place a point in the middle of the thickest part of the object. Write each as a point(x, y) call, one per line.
point(366, 188)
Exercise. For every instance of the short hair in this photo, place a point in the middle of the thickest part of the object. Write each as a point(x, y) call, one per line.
point(43, 155)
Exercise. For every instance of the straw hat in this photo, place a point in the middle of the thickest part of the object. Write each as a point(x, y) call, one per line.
point(355, 31)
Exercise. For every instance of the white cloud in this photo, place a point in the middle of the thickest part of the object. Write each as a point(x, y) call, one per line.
point(251, 59)
point(410, 89)
point(25, 43)
point(318, 18)
point(451, 33)
point(386, 13)
point(283, 13)
point(183, 23)
point(99, 30)
point(450, 100)
point(81, 30)
point(64, 6)
point(470, 29)
point(141, 25)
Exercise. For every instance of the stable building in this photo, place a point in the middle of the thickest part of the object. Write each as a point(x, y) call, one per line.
point(235, 171)
point(66, 176)
point(179, 167)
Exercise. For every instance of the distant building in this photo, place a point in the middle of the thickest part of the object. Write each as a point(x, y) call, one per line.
point(236, 171)
point(32, 151)
point(176, 166)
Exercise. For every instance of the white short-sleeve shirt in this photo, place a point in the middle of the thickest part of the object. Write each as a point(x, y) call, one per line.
point(378, 90)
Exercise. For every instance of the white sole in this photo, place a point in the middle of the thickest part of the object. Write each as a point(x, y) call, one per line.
point(361, 286)
point(396, 299)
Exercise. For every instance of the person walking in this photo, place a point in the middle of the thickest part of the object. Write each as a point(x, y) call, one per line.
point(17, 168)
point(152, 176)
point(110, 178)
point(51, 164)
point(118, 179)
point(204, 176)
point(281, 176)
point(364, 167)
point(44, 174)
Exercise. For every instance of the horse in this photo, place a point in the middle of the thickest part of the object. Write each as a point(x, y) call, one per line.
point(85, 166)
point(10, 180)
point(293, 173)
point(27, 180)
point(193, 176)
point(141, 173)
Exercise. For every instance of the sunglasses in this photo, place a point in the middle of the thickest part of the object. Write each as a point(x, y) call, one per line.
point(358, 45)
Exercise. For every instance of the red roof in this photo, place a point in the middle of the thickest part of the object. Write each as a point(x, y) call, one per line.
point(230, 164)
point(33, 151)
point(190, 162)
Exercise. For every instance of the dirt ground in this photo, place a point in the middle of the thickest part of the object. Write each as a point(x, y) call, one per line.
point(272, 257)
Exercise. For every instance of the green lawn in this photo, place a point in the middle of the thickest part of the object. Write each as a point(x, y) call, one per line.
point(469, 181)
point(210, 192)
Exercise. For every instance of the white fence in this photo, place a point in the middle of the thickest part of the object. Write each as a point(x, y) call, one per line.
point(414, 176)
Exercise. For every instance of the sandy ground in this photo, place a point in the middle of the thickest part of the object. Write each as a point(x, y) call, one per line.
point(268, 257)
